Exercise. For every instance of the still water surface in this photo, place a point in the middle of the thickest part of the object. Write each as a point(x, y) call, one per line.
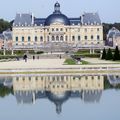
point(60, 97)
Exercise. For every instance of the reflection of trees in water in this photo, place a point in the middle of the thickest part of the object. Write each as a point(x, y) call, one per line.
point(5, 91)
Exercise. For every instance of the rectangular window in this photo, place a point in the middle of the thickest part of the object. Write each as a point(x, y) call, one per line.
point(92, 37)
point(61, 29)
point(85, 37)
point(98, 29)
point(73, 38)
point(66, 38)
point(85, 29)
point(16, 39)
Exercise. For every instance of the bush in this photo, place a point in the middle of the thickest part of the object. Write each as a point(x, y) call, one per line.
point(116, 54)
point(86, 55)
point(104, 54)
point(109, 55)
point(19, 52)
point(40, 52)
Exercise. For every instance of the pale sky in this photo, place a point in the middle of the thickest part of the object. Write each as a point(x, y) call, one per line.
point(109, 10)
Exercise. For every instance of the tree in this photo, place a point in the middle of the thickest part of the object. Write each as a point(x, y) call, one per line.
point(116, 54)
point(109, 55)
point(4, 25)
point(104, 54)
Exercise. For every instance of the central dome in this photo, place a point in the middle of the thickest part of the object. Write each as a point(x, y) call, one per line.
point(57, 17)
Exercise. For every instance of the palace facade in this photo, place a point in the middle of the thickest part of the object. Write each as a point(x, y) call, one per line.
point(57, 32)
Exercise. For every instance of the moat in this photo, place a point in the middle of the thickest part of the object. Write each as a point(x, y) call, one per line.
point(60, 96)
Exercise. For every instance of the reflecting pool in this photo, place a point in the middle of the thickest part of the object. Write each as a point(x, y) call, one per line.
point(60, 97)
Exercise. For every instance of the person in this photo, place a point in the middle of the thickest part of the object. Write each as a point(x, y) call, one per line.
point(25, 57)
point(17, 58)
point(60, 56)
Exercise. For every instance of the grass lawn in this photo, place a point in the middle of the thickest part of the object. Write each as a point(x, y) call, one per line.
point(71, 61)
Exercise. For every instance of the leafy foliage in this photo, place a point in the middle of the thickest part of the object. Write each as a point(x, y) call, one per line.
point(104, 54)
point(109, 55)
point(117, 54)
point(4, 25)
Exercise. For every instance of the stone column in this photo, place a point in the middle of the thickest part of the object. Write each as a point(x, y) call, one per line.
point(12, 52)
point(4, 52)
point(90, 51)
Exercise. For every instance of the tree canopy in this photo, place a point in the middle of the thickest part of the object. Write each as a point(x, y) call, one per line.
point(4, 25)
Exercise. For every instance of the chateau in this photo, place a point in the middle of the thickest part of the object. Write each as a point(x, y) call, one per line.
point(57, 32)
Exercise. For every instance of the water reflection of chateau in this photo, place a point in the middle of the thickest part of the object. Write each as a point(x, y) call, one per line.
point(58, 89)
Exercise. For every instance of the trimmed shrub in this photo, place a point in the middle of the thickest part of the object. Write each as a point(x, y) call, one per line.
point(109, 55)
point(104, 54)
point(116, 54)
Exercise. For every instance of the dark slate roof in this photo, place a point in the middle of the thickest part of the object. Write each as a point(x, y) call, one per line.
point(61, 18)
point(113, 32)
point(25, 97)
point(23, 19)
point(92, 96)
point(75, 21)
point(39, 21)
point(113, 79)
point(91, 18)
point(85, 19)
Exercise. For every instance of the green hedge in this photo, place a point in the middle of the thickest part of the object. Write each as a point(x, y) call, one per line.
point(86, 55)
point(39, 52)
point(9, 57)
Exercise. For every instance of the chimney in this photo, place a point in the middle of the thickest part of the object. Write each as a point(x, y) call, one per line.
point(32, 19)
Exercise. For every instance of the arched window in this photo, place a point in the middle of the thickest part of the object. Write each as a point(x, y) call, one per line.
point(98, 37)
point(35, 38)
point(41, 38)
point(22, 39)
point(53, 38)
point(78, 38)
point(29, 39)
point(73, 38)
point(61, 38)
point(57, 38)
